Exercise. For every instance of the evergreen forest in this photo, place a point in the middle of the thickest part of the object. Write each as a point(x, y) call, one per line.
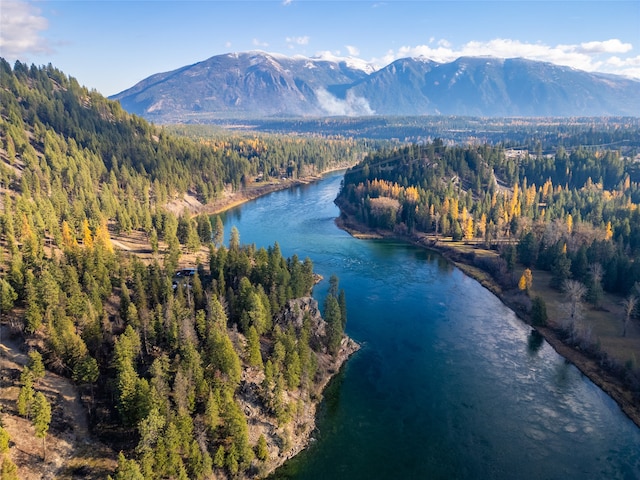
point(574, 208)
point(173, 359)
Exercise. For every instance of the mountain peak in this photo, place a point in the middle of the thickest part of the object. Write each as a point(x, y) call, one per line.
point(259, 84)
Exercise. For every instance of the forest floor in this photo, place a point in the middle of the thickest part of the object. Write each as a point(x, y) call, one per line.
point(605, 322)
point(71, 450)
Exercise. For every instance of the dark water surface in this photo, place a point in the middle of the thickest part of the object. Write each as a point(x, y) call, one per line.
point(449, 383)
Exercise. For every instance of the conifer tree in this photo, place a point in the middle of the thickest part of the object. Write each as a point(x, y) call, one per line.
point(127, 469)
point(262, 452)
point(9, 469)
point(35, 364)
point(218, 459)
point(27, 394)
point(334, 324)
point(254, 357)
point(41, 419)
point(4, 440)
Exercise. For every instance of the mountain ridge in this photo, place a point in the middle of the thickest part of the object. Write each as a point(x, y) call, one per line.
point(258, 84)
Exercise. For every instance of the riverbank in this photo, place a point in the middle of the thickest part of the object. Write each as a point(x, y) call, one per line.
point(230, 198)
point(299, 433)
point(459, 255)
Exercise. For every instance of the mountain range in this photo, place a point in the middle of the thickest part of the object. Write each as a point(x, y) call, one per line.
point(260, 85)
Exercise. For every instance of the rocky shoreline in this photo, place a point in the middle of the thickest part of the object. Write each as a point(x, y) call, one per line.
point(305, 424)
point(589, 366)
point(287, 440)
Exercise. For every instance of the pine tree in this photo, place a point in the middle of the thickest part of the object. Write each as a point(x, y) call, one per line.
point(231, 462)
point(538, 311)
point(9, 469)
point(218, 459)
point(218, 232)
point(334, 324)
point(8, 296)
point(41, 419)
point(127, 469)
point(36, 365)
point(27, 394)
point(254, 357)
point(262, 451)
point(4, 440)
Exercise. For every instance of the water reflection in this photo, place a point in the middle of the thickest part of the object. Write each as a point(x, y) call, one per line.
point(534, 342)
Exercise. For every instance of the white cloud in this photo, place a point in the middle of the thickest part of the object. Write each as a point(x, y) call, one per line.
point(353, 51)
point(20, 30)
point(287, 2)
point(593, 56)
point(259, 43)
point(350, 106)
point(609, 46)
point(292, 41)
point(631, 66)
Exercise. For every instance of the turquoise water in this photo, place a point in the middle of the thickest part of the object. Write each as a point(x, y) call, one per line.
point(449, 383)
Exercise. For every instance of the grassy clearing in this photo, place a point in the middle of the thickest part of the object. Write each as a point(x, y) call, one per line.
point(605, 323)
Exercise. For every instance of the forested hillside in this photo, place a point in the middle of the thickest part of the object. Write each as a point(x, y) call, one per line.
point(217, 369)
point(581, 204)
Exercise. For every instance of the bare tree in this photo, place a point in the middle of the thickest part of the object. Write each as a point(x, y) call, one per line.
point(595, 292)
point(436, 217)
point(574, 292)
point(629, 305)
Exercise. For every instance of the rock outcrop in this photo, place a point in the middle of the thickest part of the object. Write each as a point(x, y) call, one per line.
point(287, 440)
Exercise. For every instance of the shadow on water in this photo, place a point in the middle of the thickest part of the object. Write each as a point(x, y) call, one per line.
point(534, 342)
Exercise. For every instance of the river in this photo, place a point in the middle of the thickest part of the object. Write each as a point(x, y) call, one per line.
point(449, 384)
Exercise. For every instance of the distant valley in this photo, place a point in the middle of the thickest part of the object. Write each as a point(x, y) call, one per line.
point(263, 85)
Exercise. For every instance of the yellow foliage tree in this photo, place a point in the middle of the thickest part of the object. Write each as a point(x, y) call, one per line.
point(609, 232)
point(522, 283)
point(526, 280)
point(482, 225)
point(102, 238)
point(468, 228)
point(68, 238)
point(87, 236)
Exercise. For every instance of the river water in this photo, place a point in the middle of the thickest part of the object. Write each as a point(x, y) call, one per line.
point(449, 384)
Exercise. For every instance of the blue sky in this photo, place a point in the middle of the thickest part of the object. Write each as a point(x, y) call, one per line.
point(110, 45)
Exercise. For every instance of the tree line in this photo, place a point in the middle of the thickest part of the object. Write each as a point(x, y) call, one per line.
point(581, 205)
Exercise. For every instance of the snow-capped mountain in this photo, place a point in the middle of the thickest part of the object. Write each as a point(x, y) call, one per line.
point(259, 84)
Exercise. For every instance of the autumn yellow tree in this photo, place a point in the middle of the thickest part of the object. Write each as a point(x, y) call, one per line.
point(68, 237)
point(526, 280)
point(87, 236)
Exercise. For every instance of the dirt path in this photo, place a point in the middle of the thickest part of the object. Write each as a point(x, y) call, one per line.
point(71, 451)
